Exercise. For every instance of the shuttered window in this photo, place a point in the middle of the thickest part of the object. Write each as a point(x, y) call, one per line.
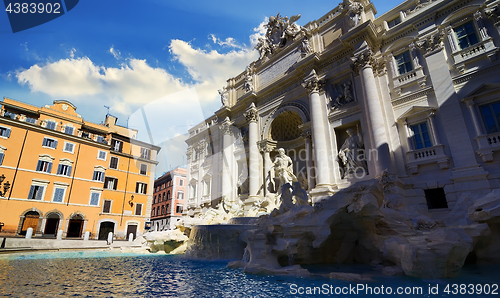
point(48, 142)
point(94, 198)
point(64, 170)
point(69, 130)
point(138, 209)
point(44, 166)
point(36, 192)
point(98, 176)
point(5, 132)
point(50, 125)
point(113, 162)
point(106, 206)
point(1, 158)
point(58, 195)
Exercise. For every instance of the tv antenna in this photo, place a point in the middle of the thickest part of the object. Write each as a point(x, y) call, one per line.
point(108, 110)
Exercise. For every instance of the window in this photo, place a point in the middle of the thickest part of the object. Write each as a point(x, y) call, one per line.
point(210, 148)
point(4, 132)
point(192, 189)
point(180, 196)
point(436, 198)
point(116, 145)
point(163, 200)
point(69, 130)
point(491, 117)
point(101, 139)
point(393, 22)
point(51, 125)
point(63, 169)
point(106, 206)
point(1, 158)
point(421, 137)
point(44, 166)
point(145, 153)
point(113, 162)
point(162, 210)
point(466, 35)
point(153, 212)
point(154, 200)
point(98, 176)
point(69, 147)
point(167, 210)
point(48, 142)
point(158, 211)
point(144, 169)
point(94, 198)
point(31, 120)
point(206, 187)
point(58, 194)
point(178, 209)
point(181, 182)
point(36, 192)
point(110, 183)
point(138, 209)
point(403, 62)
point(101, 155)
point(141, 187)
point(168, 195)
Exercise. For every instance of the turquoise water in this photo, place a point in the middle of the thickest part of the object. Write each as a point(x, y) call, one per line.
point(116, 274)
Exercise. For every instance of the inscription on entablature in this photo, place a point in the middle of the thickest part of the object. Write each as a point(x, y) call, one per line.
point(278, 69)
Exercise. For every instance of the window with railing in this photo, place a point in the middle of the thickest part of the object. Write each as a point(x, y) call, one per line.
point(421, 137)
point(403, 62)
point(466, 35)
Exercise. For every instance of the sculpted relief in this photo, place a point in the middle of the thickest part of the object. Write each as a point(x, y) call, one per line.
point(280, 30)
point(340, 94)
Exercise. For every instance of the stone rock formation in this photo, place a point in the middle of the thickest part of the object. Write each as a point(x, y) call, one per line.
point(374, 222)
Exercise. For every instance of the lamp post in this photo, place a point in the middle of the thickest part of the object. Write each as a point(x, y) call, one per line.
point(6, 186)
point(130, 202)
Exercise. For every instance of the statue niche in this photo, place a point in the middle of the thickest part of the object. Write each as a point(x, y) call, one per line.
point(351, 157)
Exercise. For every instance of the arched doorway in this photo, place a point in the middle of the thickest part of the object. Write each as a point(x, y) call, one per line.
point(31, 219)
point(131, 229)
point(51, 224)
point(104, 228)
point(75, 226)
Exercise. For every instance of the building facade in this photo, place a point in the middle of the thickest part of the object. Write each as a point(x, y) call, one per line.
point(413, 91)
point(69, 174)
point(168, 200)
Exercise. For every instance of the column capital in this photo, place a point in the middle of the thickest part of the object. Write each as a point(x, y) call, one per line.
point(493, 13)
point(432, 43)
point(312, 83)
point(251, 114)
point(266, 146)
point(306, 134)
point(225, 126)
point(362, 59)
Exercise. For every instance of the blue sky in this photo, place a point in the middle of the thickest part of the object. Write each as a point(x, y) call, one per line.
point(169, 57)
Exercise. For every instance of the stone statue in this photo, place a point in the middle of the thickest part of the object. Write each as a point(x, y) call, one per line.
point(223, 96)
point(350, 153)
point(305, 46)
point(354, 10)
point(299, 194)
point(235, 209)
point(283, 168)
point(249, 80)
point(263, 48)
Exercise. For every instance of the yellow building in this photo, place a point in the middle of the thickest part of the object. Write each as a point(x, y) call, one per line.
point(71, 175)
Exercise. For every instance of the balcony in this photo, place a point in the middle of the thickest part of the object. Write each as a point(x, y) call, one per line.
point(434, 154)
point(487, 145)
point(476, 51)
point(409, 78)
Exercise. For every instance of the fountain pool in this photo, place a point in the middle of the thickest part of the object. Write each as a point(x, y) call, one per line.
point(117, 274)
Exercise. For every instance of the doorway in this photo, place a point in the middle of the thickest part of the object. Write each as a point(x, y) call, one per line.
point(75, 227)
point(51, 224)
point(30, 221)
point(131, 229)
point(105, 228)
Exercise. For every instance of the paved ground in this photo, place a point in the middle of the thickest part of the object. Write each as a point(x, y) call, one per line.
point(14, 244)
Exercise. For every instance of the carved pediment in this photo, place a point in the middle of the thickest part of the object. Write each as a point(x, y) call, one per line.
point(482, 90)
point(414, 111)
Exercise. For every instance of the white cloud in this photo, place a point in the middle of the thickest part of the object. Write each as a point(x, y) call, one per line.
point(135, 83)
point(115, 52)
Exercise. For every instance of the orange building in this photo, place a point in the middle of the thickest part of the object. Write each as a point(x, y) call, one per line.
point(72, 175)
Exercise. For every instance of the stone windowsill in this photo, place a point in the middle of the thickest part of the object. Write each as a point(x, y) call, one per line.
point(408, 78)
point(434, 154)
point(487, 144)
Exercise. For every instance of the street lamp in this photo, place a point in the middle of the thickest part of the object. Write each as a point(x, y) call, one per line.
point(6, 186)
point(131, 203)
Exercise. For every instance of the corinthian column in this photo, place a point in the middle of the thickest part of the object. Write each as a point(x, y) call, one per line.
point(373, 113)
point(227, 158)
point(265, 147)
point(319, 130)
point(253, 137)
